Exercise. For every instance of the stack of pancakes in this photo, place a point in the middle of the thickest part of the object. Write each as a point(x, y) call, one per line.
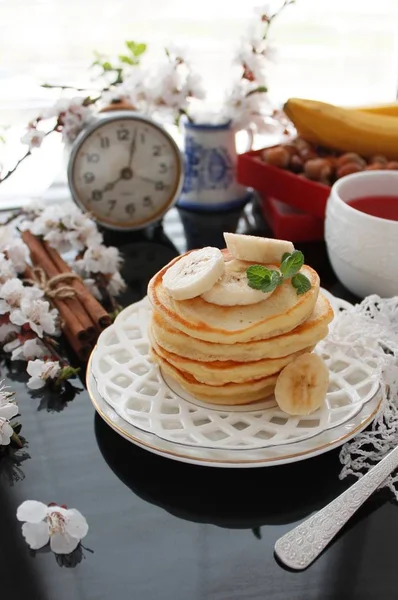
point(233, 354)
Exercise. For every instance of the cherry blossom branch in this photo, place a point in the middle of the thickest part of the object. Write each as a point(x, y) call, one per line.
point(28, 153)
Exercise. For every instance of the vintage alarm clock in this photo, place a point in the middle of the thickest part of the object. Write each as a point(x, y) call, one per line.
point(125, 170)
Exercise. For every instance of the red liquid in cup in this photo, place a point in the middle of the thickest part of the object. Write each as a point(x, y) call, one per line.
point(384, 207)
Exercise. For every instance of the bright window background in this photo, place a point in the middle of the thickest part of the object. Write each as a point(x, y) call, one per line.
point(341, 51)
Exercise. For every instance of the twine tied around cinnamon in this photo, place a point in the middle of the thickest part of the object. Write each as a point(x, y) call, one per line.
point(49, 285)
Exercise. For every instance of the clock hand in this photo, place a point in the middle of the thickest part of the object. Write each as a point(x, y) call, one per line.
point(132, 147)
point(109, 186)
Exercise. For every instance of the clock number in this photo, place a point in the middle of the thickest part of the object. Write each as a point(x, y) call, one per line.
point(105, 143)
point(96, 195)
point(93, 158)
point(112, 204)
point(130, 209)
point(163, 168)
point(122, 134)
point(159, 185)
point(142, 138)
point(157, 150)
point(88, 177)
point(147, 202)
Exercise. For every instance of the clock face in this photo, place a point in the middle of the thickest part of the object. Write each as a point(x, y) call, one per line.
point(125, 170)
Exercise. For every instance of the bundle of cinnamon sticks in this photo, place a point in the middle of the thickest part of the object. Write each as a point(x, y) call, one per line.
point(82, 316)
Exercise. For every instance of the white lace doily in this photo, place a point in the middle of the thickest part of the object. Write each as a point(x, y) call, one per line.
point(133, 385)
point(369, 332)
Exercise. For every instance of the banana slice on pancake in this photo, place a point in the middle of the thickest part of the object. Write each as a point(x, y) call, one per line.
point(302, 385)
point(232, 288)
point(194, 274)
point(256, 249)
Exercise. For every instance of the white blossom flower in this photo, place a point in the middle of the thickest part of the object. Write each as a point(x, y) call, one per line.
point(6, 432)
point(29, 350)
point(40, 371)
point(100, 259)
point(264, 11)
point(37, 314)
point(33, 138)
point(63, 528)
point(12, 292)
point(18, 254)
point(7, 330)
point(246, 107)
point(133, 90)
point(72, 114)
point(74, 118)
point(7, 270)
point(116, 284)
point(253, 62)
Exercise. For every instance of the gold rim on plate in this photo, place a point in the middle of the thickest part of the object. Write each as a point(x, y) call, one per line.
point(168, 453)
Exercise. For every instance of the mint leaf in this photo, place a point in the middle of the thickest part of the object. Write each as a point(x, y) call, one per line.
point(261, 278)
point(301, 283)
point(292, 264)
point(286, 255)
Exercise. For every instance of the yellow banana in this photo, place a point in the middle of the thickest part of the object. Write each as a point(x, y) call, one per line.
point(344, 129)
point(388, 110)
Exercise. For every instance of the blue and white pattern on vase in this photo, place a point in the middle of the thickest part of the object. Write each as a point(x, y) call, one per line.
point(210, 169)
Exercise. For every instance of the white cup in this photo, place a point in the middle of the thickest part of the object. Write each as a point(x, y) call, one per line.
point(363, 249)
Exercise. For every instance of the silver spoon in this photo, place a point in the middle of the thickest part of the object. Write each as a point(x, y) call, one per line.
point(302, 545)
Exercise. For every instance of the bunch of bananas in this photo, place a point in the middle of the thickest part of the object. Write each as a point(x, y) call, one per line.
point(366, 130)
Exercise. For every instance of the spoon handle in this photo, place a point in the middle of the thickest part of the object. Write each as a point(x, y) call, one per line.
point(302, 545)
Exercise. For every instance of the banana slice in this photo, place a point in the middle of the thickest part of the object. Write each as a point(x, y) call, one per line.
point(257, 249)
point(233, 289)
point(194, 273)
point(302, 385)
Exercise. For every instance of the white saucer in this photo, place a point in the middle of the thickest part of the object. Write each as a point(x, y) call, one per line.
point(260, 457)
point(130, 393)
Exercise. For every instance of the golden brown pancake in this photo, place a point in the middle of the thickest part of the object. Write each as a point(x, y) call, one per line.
point(307, 334)
point(227, 371)
point(279, 313)
point(230, 393)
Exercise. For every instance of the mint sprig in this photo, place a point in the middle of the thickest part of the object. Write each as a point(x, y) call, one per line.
point(301, 283)
point(291, 263)
point(261, 278)
point(267, 280)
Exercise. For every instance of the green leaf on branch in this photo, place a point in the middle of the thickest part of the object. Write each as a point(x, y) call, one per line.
point(67, 373)
point(136, 49)
point(127, 60)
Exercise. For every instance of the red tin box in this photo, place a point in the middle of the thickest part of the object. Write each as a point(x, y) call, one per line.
point(288, 223)
point(303, 194)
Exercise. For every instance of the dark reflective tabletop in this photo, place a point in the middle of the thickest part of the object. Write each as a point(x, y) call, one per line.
point(163, 530)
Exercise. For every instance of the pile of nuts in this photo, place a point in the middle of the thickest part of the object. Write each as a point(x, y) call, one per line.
point(320, 164)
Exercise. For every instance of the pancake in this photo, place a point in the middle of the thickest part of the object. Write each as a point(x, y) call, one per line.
point(305, 335)
point(227, 371)
point(230, 393)
point(277, 314)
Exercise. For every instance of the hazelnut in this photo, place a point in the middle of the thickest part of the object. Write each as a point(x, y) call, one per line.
point(296, 164)
point(378, 158)
point(291, 148)
point(392, 165)
point(277, 156)
point(348, 168)
point(350, 157)
point(317, 168)
point(376, 166)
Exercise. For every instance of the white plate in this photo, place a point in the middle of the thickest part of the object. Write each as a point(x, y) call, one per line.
point(260, 457)
point(133, 385)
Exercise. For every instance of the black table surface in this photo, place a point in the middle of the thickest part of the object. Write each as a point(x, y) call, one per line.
point(164, 530)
